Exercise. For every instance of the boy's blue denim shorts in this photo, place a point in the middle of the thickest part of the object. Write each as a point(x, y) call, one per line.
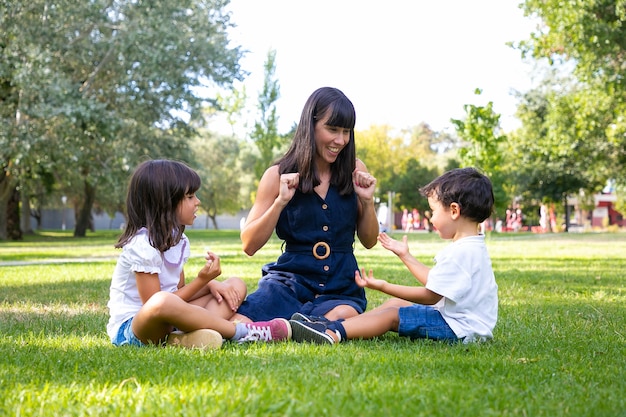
point(424, 322)
point(125, 335)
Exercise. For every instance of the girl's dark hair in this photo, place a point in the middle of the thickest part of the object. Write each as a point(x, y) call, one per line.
point(154, 192)
point(300, 157)
point(467, 187)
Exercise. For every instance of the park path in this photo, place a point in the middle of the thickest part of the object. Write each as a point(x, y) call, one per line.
point(56, 261)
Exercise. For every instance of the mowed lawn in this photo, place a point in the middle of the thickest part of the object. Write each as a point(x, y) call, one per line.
point(559, 346)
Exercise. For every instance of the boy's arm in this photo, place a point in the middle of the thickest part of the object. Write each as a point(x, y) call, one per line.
point(401, 250)
point(418, 295)
point(418, 269)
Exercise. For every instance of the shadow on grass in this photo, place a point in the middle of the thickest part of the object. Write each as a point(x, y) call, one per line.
point(72, 290)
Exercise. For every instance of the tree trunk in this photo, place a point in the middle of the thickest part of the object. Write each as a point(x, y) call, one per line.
point(3, 218)
point(7, 185)
point(84, 219)
point(25, 223)
point(13, 216)
point(213, 220)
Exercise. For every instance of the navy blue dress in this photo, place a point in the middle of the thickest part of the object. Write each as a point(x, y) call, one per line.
point(301, 280)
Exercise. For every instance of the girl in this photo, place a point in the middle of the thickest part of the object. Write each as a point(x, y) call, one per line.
point(149, 298)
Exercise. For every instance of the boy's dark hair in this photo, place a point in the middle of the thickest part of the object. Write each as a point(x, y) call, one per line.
point(154, 192)
point(467, 187)
point(301, 155)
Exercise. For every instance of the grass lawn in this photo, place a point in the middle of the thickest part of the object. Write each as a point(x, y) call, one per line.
point(559, 346)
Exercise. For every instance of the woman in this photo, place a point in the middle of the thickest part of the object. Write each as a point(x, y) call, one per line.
point(316, 197)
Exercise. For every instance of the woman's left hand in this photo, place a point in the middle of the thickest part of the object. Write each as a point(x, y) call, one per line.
point(364, 184)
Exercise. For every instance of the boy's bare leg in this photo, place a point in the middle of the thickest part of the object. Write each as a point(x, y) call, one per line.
point(372, 323)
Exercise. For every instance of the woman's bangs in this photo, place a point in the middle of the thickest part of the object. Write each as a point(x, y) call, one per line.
point(342, 115)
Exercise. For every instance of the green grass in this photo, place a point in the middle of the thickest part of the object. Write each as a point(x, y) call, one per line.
point(559, 346)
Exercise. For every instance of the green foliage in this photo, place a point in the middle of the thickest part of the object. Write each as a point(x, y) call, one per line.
point(219, 167)
point(582, 126)
point(265, 133)
point(401, 162)
point(484, 147)
point(558, 348)
point(102, 85)
point(407, 182)
point(559, 149)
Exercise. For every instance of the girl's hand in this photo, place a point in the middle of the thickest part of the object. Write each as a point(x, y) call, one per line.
point(222, 291)
point(365, 281)
point(212, 268)
point(399, 248)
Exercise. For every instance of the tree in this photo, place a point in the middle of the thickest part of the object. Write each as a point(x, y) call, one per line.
point(220, 170)
point(482, 147)
point(556, 152)
point(93, 87)
point(590, 36)
point(401, 161)
point(407, 181)
point(380, 153)
point(232, 104)
point(265, 133)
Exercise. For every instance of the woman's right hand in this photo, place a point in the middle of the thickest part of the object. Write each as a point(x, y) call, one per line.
point(275, 191)
point(288, 185)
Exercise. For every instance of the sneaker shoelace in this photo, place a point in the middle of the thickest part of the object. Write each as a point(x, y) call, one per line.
point(256, 333)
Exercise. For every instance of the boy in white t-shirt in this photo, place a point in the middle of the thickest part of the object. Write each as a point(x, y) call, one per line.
point(459, 297)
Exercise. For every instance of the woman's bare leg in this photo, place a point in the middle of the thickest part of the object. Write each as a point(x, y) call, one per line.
point(341, 312)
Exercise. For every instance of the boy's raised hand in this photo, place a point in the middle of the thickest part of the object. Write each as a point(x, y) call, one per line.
point(399, 248)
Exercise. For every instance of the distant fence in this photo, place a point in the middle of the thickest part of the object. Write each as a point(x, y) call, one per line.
point(59, 219)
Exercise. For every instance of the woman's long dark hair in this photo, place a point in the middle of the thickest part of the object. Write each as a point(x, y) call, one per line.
point(301, 155)
point(154, 192)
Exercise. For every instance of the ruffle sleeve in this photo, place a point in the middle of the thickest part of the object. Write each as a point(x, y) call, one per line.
point(142, 256)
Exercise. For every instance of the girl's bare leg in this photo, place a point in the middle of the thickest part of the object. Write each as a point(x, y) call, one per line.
point(221, 309)
point(164, 311)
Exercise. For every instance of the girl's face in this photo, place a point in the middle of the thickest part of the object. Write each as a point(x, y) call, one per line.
point(187, 209)
point(441, 218)
point(330, 140)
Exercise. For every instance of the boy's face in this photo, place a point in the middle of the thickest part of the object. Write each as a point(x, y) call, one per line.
point(441, 218)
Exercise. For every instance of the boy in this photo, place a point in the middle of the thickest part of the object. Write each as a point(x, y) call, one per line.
point(459, 297)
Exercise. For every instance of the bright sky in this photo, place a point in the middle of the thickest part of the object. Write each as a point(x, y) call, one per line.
point(401, 62)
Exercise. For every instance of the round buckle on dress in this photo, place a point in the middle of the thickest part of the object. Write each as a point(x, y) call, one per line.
point(326, 246)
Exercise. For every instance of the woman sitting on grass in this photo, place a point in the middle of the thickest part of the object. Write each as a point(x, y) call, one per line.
point(459, 299)
point(150, 303)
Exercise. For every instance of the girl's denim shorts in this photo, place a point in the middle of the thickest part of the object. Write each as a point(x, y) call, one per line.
point(125, 335)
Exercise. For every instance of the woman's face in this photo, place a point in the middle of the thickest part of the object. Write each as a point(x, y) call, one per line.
point(330, 140)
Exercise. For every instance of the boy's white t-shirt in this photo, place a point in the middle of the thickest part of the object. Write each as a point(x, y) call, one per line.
point(139, 256)
point(464, 277)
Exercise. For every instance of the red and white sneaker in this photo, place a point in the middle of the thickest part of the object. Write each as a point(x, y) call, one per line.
point(267, 331)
